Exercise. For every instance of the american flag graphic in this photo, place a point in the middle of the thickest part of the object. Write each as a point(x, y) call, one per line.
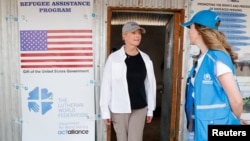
point(56, 49)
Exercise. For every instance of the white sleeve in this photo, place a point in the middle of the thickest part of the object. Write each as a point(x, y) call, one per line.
point(221, 68)
point(105, 93)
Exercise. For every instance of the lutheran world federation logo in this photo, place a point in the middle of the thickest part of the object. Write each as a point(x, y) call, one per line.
point(40, 100)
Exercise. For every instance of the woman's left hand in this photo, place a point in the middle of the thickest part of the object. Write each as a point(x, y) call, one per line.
point(149, 119)
point(243, 122)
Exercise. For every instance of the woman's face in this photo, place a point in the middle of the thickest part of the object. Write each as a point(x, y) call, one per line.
point(194, 35)
point(132, 38)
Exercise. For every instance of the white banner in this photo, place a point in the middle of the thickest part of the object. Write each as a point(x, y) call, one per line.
point(56, 63)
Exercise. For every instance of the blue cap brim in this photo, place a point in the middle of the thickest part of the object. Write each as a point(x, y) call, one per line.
point(187, 24)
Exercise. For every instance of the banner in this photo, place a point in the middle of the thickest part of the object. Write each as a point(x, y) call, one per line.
point(235, 25)
point(56, 63)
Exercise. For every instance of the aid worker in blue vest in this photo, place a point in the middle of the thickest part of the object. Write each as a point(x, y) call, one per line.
point(212, 95)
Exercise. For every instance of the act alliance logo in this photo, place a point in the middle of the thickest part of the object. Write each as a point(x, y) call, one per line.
point(40, 100)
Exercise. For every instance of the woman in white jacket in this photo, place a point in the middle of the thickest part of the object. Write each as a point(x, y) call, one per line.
point(128, 88)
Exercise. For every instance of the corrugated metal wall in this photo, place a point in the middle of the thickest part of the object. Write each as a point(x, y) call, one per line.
point(10, 96)
point(10, 103)
point(178, 4)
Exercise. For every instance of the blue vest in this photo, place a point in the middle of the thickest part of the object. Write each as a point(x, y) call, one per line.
point(211, 105)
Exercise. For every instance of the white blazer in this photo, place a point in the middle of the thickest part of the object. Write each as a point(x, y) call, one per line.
point(114, 88)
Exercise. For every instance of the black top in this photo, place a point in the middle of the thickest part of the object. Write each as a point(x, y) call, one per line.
point(136, 74)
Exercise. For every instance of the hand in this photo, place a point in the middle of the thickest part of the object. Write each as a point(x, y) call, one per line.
point(243, 122)
point(33, 106)
point(107, 121)
point(149, 119)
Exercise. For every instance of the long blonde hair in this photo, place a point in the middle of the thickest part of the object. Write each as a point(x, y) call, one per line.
point(216, 40)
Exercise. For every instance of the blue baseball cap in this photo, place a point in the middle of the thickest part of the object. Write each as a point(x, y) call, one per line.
point(206, 18)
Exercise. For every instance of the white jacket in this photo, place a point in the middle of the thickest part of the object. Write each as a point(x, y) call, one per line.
point(114, 88)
